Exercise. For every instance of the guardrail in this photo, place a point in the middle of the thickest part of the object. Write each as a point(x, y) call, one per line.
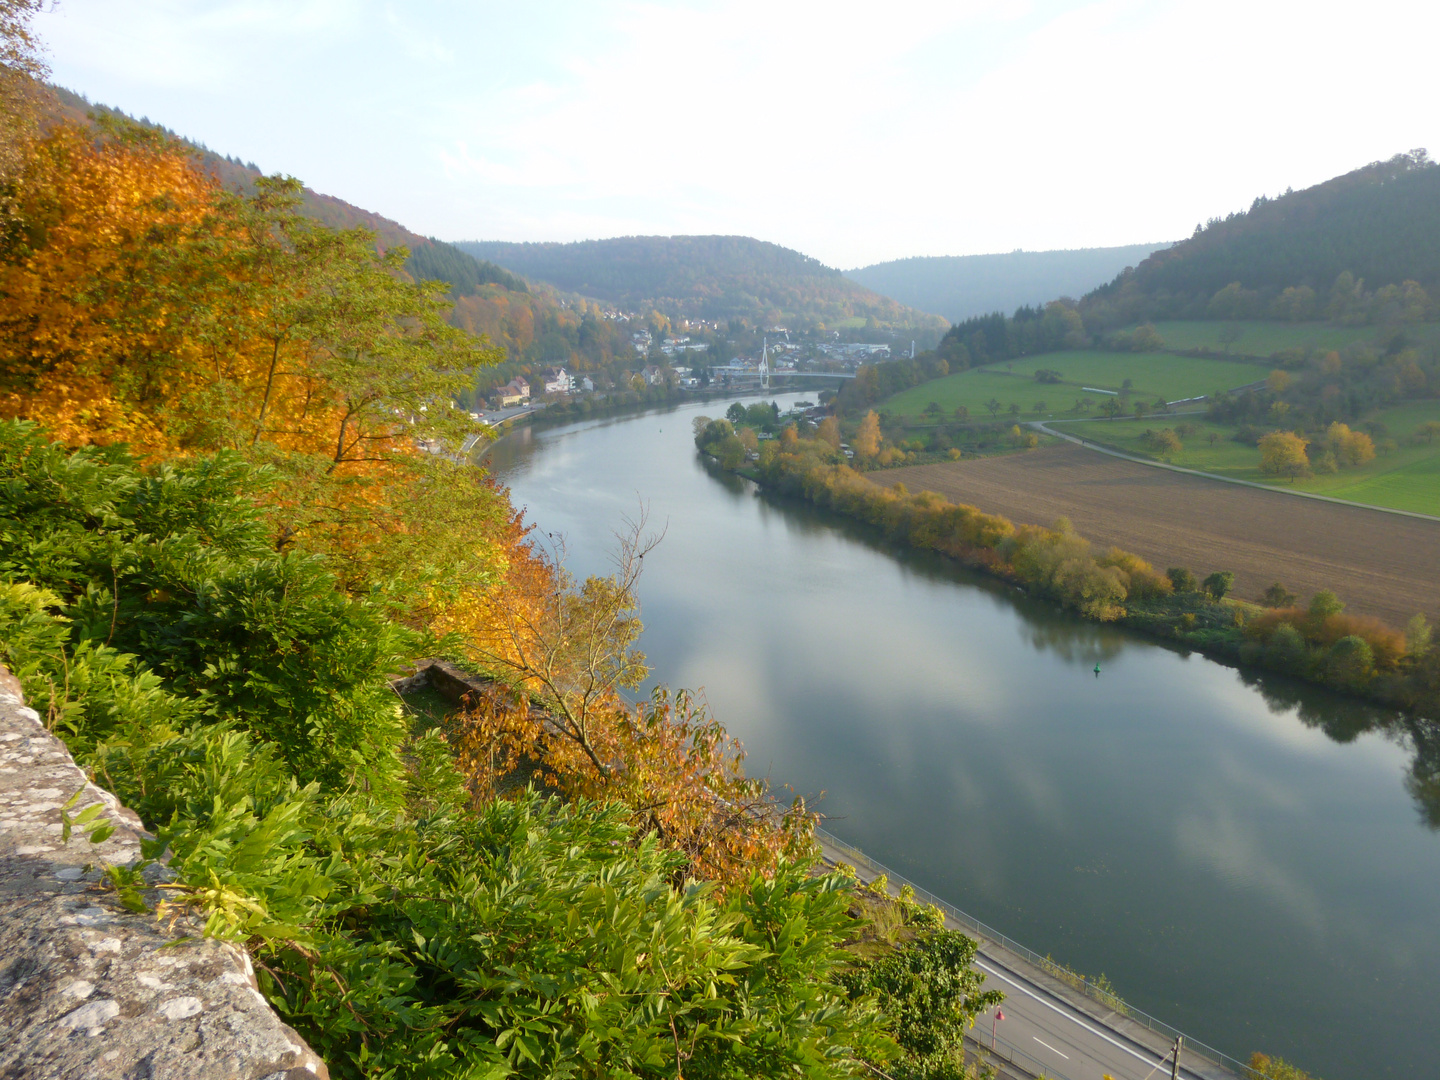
point(996, 1049)
point(1070, 978)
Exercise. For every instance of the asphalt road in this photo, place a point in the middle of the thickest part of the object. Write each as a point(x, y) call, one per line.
point(1046, 1035)
point(1053, 1032)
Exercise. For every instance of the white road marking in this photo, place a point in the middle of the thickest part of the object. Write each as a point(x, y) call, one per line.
point(1071, 1017)
point(1047, 1046)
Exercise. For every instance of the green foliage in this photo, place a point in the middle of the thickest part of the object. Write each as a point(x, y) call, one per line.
point(1417, 637)
point(1324, 604)
point(174, 568)
point(435, 260)
point(1265, 1067)
point(931, 993)
point(1378, 223)
point(529, 938)
point(1351, 662)
point(1277, 596)
point(1181, 579)
point(1217, 585)
point(238, 702)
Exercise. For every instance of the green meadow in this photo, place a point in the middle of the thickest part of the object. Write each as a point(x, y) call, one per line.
point(1406, 479)
point(1152, 376)
point(1260, 339)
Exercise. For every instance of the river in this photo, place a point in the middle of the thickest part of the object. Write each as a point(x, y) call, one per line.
point(1241, 856)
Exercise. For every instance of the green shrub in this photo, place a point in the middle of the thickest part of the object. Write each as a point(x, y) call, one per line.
point(1218, 584)
point(1286, 649)
point(931, 993)
point(174, 567)
point(1181, 579)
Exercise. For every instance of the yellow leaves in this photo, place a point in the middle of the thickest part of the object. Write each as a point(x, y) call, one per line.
point(668, 761)
point(88, 209)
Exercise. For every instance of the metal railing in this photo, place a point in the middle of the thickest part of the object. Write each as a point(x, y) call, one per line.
point(1059, 971)
point(993, 1049)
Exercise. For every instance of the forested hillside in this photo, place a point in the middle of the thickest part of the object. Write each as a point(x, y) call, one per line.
point(535, 326)
point(961, 286)
point(1330, 251)
point(707, 277)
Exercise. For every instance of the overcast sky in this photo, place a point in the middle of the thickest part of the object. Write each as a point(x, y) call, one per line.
point(853, 131)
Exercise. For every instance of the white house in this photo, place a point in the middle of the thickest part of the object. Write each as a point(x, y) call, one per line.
point(558, 381)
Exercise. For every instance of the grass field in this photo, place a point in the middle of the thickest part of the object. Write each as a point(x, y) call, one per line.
point(1153, 375)
point(1261, 339)
point(1379, 564)
point(1408, 479)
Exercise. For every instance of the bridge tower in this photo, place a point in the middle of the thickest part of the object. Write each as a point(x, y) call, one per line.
point(765, 364)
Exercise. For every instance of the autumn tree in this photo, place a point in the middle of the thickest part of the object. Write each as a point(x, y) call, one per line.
point(147, 306)
point(563, 651)
point(1165, 442)
point(867, 439)
point(1282, 453)
point(1349, 447)
point(828, 432)
point(21, 69)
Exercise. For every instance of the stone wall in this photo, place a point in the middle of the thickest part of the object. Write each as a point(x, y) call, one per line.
point(89, 989)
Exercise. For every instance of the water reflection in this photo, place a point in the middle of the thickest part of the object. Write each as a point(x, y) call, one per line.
point(1345, 719)
point(1238, 851)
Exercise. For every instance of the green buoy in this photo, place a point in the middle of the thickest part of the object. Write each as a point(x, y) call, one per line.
point(1097, 670)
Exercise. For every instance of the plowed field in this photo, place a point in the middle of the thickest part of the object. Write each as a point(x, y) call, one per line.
point(1379, 564)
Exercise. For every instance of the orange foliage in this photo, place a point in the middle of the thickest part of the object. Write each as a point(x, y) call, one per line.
point(668, 761)
point(91, 210)
point(1386, 643)
point(567, 648)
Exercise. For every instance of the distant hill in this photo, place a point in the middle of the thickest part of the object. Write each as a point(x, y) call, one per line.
point(1380, 224)
point(536, 326)
point(430, 259)
point(961, 286)
point(707, 277)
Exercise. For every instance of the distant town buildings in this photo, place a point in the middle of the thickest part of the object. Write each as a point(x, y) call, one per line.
point(515, 392)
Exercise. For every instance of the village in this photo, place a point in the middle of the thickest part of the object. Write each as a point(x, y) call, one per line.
point(679, 364)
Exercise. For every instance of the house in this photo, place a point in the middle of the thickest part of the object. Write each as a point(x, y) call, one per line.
point(515, 392)
point(653, 375)
point(557, 381)
point(586, 383)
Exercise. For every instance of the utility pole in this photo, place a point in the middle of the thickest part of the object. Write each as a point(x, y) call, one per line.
point(1175, 1065)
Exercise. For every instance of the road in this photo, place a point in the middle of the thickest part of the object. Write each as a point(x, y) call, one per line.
point(1050, 1029)
point(1044, 426)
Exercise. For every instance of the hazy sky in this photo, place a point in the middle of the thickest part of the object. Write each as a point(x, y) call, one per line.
point(853, 131)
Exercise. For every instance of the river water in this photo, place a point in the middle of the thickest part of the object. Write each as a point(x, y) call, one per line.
point(1240, 856)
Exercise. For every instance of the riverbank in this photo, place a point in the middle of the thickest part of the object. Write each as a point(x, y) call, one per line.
point(1355, 655)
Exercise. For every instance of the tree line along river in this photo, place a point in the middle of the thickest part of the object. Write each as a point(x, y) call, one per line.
point(1243, 856)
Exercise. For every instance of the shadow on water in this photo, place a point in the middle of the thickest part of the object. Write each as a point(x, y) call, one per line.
point(1345, 720)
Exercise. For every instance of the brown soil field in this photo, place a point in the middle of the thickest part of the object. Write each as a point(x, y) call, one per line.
point(1379, 564)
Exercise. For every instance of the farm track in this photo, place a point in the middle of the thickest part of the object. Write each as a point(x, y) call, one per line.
point(1379, 564)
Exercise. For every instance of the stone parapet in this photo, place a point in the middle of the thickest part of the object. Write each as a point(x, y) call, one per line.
point(89, 989)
